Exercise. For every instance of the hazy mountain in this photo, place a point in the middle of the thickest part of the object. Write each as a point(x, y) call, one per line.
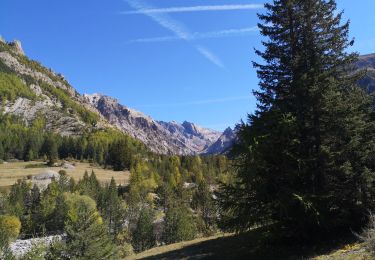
point(223, 144)
point(162, 137)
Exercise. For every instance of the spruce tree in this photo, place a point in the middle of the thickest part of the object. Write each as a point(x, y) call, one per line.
point(179, 225)
point(305, 156)
point(143, 234)
point(113, 209)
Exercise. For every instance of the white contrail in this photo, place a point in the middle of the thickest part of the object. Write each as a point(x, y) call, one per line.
point(199, 8)
point(163, 20)
point(198, 35)
point(210, 56)
point(178, 29)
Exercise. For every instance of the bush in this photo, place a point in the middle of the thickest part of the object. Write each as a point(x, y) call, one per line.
point(126, 250)
point(37, 252)
point(10, 226)
point(11, 87)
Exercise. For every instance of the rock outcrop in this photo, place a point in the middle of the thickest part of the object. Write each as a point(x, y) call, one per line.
point(17, 47)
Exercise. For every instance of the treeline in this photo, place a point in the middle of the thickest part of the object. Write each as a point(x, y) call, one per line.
point(104, 147)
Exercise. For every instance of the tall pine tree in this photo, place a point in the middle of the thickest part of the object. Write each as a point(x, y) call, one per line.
point(305, 158)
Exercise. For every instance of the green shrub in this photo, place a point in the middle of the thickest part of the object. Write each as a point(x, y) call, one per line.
point(12, 87)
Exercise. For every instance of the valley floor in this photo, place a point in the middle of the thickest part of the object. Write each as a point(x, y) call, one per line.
point(12, 171)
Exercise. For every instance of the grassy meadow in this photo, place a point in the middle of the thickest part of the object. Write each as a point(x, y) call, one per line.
point(12, 171)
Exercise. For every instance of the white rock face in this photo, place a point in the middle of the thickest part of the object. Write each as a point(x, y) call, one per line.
point(162, 137)
point(21, 247)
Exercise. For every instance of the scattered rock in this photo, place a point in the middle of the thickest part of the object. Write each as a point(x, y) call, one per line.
point(68, 166)
point(189, 185)
point(48, 174)
point(21, 247)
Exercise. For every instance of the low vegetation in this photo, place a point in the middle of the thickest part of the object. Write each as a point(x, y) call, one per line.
point(11, 87)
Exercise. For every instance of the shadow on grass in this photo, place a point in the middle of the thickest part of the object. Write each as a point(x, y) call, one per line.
point(253, 245)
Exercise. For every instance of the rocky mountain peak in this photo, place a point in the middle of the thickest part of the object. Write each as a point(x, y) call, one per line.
point(96, 98)
point(223, 143)
point(228, 132)
point(162, 137)
point(190, 128)
point(17, 47)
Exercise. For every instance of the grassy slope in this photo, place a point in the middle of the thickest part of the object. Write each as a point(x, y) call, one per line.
point(348, 252)
point(250, 246)
point(10, 172)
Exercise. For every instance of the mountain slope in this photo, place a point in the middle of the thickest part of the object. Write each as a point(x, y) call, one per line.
point(368, 62)
point(29, 90)
point(161, 137)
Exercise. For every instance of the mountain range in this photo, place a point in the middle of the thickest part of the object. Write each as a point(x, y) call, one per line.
point(161, 137)
point(33, 90)
point(28, 90)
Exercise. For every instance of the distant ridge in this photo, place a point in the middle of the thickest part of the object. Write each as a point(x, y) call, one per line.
point(161, 137)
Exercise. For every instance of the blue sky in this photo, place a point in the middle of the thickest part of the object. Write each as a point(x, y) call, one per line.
point(173, 60)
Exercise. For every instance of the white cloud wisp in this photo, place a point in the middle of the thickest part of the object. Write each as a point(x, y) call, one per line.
point(176, 28)
point(198, 8)
point(198, 35)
